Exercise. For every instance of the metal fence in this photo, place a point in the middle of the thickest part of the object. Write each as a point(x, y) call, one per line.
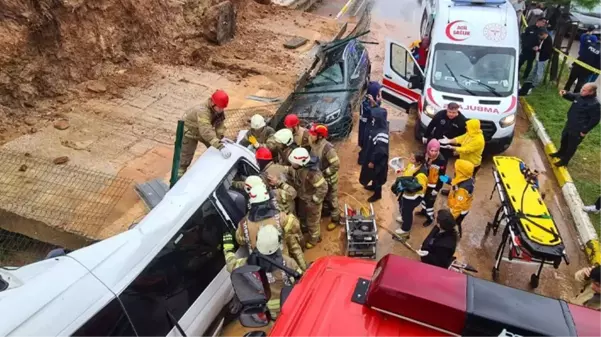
point(43, 205)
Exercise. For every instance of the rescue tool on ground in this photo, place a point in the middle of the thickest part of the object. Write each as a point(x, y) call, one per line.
point(530, 231)
point(401, 297)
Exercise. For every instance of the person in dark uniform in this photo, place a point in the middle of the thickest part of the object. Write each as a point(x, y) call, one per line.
point(375, 166)
point(530, 40)
point(439, 246)
point(583, 116)
point(373, 98)
point(589, 55)
point(448, 123)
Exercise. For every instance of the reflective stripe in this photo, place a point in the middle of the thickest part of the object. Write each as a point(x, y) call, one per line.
point(204, 120)
point(381, 137)
point(363, 119)
point(288, 226)
point(412, 197)
point(431, 185)
point(464, 212)
point(319, 182)
point(333, 160)
point(283, 195)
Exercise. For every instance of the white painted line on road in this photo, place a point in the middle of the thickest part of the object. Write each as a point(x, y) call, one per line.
point(344, 8)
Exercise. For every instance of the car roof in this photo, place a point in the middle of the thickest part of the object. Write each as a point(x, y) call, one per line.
point(56, 296)
point(320, 305)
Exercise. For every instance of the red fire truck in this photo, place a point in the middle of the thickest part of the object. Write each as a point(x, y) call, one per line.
point(341, 296)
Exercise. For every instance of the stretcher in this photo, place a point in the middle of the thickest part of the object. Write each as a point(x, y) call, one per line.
point(529, 229)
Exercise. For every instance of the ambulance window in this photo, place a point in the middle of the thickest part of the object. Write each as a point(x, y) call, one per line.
point(110, 321)
point(401, 61)
point(179, 273)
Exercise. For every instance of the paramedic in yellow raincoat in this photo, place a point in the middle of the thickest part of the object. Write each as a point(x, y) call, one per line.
point(462, 191)
point(409, 201)
point(470, 145)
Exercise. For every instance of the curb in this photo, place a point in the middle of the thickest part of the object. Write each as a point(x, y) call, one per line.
point(583, 223)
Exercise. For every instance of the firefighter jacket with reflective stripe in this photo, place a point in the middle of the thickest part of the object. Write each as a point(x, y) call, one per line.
point(309, 182)
point(329, 164)
point(204, 125)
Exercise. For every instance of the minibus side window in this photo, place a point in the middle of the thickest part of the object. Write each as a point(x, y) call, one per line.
point(110, 321)
point(179, 273)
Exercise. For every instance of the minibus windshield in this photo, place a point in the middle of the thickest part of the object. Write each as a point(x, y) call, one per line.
point(474, 70)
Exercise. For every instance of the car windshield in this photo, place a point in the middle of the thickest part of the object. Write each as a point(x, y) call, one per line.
point(474, 70)
point(596, 11)
point(332, 72)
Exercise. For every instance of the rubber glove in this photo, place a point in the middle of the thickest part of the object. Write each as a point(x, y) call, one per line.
point(228, 242)
point(424, 140)
point(253, 140)
point(434, 193)
point(422, 253)
point(446, 146)
point(225, 152)
point(444, 140)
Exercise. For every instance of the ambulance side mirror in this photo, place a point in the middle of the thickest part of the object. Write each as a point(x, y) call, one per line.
point(252, 290)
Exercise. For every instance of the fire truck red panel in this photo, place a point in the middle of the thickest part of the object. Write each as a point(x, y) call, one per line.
point(493, 308)
point(586, 320)
point(411, 289)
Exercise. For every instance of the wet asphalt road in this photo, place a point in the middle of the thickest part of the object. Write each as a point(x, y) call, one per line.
point(399, 20)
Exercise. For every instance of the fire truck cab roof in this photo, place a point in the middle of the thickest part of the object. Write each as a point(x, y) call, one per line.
point(401, 297)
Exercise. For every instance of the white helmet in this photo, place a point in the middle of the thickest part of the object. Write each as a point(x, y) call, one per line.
point(252, 181)
point(257, 122)
point(258, 194)
point(299, 156)
point(268, 240)
point(284, 136)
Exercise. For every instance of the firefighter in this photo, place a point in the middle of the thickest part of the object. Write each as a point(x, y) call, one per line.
point(373, 99)
point(261, 213)
point(275, 176)
point(268, 241)
point(412, 192)
point(204, 124)
point(462, 191)
point(374, 171)
point(471, 144)
point(312, 188)
point(301, 135)
point(258, 134)
point(329, 165)
point(436, 167)
point(280, 145)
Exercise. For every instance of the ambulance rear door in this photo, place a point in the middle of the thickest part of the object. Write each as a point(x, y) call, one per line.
point(403, 79)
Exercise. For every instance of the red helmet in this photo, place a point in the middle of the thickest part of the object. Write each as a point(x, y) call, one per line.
point(263, 153)
point(319, 130)
point(291, 121)
point(220, 99)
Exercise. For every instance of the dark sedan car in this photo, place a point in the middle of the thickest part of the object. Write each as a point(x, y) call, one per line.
point(330, 96)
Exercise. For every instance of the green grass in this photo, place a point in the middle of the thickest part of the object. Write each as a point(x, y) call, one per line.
point(585, 167)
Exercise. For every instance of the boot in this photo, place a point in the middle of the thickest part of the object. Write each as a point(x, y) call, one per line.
point(368, 187)
point(333, 224)
point(591, 209)
point(428, 221)
point(422, 212)
point(375, 197)
point(401, 234)
point(555, 155)
point(399, 219)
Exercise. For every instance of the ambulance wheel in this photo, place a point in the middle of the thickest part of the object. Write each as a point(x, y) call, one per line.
point(495, 274)
point(534, 281)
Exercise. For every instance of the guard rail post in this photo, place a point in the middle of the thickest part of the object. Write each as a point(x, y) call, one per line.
point(177, 152)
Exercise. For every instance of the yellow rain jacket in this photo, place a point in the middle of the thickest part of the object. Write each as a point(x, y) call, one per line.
point(472, 143)
point(420, 174)
point(462, 188)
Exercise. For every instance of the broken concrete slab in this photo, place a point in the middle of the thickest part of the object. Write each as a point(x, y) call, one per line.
point(295, 42)
point(219, 23)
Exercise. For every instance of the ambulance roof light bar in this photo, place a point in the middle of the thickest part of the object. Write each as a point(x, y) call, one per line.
point(479, 2)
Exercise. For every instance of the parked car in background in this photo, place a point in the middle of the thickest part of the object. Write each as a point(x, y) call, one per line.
point(332, 94)
point(586, 17)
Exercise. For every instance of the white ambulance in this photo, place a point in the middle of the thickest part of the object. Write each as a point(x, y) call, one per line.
point(472, 61)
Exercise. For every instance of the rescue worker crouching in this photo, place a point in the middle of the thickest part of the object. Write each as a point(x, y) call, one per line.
point(436, 167)
point(268, 243)
point(462, 191)
point(329, 165)
point(410, 189)
point(261, 213)
point(258, 134)
point(280, 145)
point(438, 249)
point(274, 175)
point(301, 135)
point(589, 296)
point(311, 187)
point(205, 124)
point(471, 144)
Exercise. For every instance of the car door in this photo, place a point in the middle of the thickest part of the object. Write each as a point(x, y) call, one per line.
point(399, 68)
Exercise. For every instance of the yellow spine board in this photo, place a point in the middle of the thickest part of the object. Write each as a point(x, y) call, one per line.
point(514, 183)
